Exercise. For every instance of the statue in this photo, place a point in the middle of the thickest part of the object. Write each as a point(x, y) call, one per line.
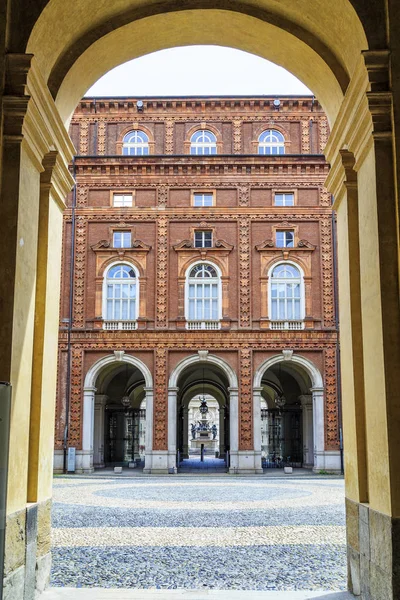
point(193, 428)
point(214, 431)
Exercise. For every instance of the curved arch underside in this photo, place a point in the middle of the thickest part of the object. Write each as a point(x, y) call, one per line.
point(319, 42)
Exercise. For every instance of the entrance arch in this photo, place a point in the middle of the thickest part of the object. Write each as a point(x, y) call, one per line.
point(97, 379)
point(306, 390)
point(220, 376)
point(351, 38)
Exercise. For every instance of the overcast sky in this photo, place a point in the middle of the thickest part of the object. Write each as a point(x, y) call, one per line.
point(195, 71)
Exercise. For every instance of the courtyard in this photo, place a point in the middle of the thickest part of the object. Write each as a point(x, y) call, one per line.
point(199, 532)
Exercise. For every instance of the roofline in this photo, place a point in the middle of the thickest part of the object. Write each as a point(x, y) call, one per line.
point(201, 97)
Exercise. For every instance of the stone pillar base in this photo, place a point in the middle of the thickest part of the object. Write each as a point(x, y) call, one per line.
point(373, 553)
point(329, 460)
point(160, 462)
point(27, 553)
point(83, 462)
point(245, 462)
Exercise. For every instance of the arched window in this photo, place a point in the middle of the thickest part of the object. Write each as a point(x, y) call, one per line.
point(286, 293)
point(203, 142)
point(203, 301)
point(121, 295)
point(135, 143)
point(271, 141)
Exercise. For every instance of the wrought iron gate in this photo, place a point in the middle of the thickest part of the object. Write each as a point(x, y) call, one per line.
point(124, 436)
point(282, 437)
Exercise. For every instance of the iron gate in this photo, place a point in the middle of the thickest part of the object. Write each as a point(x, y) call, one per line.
point(124, 436)
point(282, 437)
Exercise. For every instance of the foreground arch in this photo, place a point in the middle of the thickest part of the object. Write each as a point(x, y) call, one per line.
point(356, 68)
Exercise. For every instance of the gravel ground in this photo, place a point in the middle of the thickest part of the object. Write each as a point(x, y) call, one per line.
point(238, 533)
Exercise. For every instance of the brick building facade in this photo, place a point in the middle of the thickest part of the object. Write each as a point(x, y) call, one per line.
point(203, 265)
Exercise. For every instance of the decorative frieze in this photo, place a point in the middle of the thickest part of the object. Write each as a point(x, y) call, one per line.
point(162, 196)
point(323, 134)
point(325, 198)
point(331, 404)
point(75, 413)
point(305, 136)
point(244, 273)
point(169, 136)
point(84, 137)
point(237, 136)
point(101, 137)
point(162, 272)
point(245, 400)
point(327, 273)
point(79, 273)
point(244, 195)
point(160, 410)
point(82, 196)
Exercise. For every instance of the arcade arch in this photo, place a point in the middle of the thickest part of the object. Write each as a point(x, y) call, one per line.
point(291, 422)
point(348, 43)
point(117, 413)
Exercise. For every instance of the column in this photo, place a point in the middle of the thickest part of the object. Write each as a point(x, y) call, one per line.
point(84, 457)
point(233, 430)
point(222, 432)
point(318, 428)
point(257, 428)
point(100, 402)
point(149, 431)
point(185, 445)
point(172, 428)
point(308, 441)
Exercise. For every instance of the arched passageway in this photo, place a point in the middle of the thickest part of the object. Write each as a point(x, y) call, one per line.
point(204, 376)
point(117, 415)
point(347, 53)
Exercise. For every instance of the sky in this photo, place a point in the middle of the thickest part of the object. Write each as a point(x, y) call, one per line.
point(195, 71)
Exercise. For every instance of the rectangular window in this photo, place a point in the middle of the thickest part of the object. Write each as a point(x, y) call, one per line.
point(202, 199)
point(284, 199)
point(122, 239)
point(284, 239)
point(122, 200)
point(203, 239)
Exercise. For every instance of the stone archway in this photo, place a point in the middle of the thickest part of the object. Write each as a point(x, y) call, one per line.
point(85, 457)
point(356, 65)
point(322, 459)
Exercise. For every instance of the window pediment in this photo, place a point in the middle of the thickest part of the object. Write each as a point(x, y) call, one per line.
point(219, 245)
point(137, 245)
point(269, 245)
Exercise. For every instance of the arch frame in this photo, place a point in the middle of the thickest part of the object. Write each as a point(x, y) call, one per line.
point(105, 270)
point(203, 357)
point(219, 284)
point(314, 373)
point(119, 145)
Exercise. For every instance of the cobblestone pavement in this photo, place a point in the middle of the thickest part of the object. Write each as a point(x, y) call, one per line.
point(199, 533)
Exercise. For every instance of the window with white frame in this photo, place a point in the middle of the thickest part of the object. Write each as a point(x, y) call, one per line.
point(286, 293)
point(122, 239)
point(286, 199)
point(122, 200)
point(203, 293)
point(271, 141)
point(121, 293)
point(203, 199)
point(284, 238)
point(135, 143)
point(203, 239)
point(203, 142)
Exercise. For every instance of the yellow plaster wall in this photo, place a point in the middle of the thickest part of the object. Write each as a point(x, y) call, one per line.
point(23, 324)
point(375, 398)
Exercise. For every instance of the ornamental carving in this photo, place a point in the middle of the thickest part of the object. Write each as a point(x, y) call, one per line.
point(101, 138)
point(325, 197)
point(245, 400)
point(162, 272)
point(84, 137)
point(160, 407)
point(331, 404)
point(305, 136)
point(327, 273)
point(169, 136)
point(237, 136)
point(75, 413)
point(162, 196)
point(244, 195)
point(79, 274)
point(306, 244)
point(82, 196)
point(323, 131)
point(244, 272)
